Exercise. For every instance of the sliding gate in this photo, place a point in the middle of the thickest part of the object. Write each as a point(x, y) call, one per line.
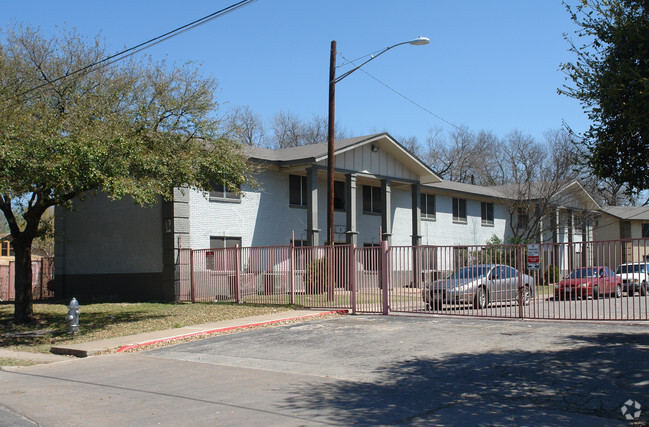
point(577, 280)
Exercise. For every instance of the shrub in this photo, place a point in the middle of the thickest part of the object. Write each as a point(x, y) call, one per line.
point(551, 274)
point(316, 276)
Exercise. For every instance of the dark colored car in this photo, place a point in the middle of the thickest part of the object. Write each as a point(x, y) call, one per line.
point(478, 285)
point(589, 282)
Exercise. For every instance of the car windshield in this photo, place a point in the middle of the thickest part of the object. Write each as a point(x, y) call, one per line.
point(470, 272)
point(630, 268)
point(583, 273)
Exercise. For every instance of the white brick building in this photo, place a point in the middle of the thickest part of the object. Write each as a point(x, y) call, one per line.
point(106, 248)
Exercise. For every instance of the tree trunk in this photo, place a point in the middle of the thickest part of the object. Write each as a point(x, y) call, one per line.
point(23, 305)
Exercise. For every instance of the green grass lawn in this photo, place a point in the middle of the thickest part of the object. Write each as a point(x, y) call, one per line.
point(109, 320)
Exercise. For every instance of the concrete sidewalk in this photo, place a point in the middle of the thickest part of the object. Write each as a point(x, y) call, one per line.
point(134, 341)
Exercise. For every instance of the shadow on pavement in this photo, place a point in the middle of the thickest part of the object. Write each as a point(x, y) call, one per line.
point(591, 380)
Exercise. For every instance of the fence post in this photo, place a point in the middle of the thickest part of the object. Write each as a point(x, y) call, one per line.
point(330, 272)
point(352, 275)
point(41, 278)
point(384, 275)
point(237, 272)
point(191, 275)
point(291, 272)
point(521, 262)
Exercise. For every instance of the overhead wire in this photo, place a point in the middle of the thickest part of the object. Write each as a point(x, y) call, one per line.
point(400, 94)
point(147, 44)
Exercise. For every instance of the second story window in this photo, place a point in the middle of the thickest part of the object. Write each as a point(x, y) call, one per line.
point(487, 213)
point(523, 218)
point(339, 195)
point(428, 206)
point(372, 199)
point(459, 210)
point(297, 190)
point(220, 192)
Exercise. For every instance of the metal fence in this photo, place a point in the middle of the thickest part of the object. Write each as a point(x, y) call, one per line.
point(42, 275)
point(577, 280)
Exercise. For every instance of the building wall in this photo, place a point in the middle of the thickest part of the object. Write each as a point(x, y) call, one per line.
point(108, 248)
point(444, 231)
point(262, 217)
point(265, 218)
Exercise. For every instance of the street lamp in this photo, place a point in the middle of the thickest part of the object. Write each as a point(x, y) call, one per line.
point(330, 130)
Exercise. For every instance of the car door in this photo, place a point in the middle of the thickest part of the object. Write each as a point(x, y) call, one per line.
point(496, 283)
point(605, 281)
point(511, 284)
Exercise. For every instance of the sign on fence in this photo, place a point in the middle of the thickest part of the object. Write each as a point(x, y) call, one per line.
point(533, 257)
point(209, 260)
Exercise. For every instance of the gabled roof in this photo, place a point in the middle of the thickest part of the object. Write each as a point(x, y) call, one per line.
point(310, 152)
point(628, 213)
point(314, 153)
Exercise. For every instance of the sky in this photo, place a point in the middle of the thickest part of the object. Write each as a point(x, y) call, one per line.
point(490, 65)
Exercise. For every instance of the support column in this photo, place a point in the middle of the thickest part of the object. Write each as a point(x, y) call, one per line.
point(350, 205)
point(386, 216)
point(312, 231)
point(416, 214)
point(555, 239)
point(416, 235)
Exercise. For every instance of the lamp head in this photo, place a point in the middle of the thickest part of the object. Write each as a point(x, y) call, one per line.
point(419, 41)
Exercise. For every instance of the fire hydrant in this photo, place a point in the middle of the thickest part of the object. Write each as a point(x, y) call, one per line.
point(73, 316)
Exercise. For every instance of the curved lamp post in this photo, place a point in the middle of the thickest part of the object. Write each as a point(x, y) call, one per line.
point(330, 130)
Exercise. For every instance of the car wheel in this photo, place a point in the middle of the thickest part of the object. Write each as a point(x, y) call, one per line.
point(595, 292)
point(437, 304)
point(526, 295)
point(618, 291)
point(480, 299)
point(427, 307)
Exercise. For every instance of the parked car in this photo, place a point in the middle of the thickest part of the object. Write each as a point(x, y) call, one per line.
point(478, 285)
point(634, 277)
point(589, 282)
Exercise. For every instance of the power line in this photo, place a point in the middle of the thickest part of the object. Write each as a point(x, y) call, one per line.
point(147, 44)
point(402, 95)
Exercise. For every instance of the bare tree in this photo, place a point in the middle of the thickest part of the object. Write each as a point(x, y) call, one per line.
point(458, 159)
point(536, 179)
point(411, 144)
point(245, 126)
point(315, 130)
point(287, 130)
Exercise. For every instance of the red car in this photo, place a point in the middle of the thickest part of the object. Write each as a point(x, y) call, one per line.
point(589, 282)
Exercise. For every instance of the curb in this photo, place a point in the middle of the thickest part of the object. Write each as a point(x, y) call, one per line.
point(225, 329)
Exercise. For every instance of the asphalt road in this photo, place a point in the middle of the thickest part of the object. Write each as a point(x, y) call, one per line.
point(363, 370)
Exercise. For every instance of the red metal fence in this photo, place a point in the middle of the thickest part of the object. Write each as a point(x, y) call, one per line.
point(42, 274)
point(609, 279)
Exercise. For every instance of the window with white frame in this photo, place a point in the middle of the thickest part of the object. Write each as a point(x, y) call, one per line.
point(427, 206)
point(372, 199)
point(459, 210)
point(220, 192)
point(487, 213)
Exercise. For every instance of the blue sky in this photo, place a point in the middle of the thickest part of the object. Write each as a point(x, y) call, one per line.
point(490, 65)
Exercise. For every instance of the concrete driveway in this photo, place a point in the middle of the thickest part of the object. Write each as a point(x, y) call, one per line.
point(365, 370)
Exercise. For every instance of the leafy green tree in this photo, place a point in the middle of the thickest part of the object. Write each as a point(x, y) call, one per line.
point(610, 77)
point(135, 129)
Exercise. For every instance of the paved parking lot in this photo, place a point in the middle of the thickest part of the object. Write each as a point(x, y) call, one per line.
point(365, 370)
